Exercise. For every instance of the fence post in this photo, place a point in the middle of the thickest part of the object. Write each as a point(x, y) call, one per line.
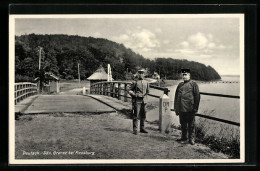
point(164, 114)
point(100, 89)
point(111, 89)
point(125, 93)
point(104, 88)
point(119, 91)
point(108, 89)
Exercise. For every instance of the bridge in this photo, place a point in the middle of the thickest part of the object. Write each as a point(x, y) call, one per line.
point(98, 121)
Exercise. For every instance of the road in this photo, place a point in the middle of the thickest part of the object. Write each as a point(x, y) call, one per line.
point(80, 124)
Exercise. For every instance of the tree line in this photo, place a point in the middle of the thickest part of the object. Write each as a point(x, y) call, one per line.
point(61, 55)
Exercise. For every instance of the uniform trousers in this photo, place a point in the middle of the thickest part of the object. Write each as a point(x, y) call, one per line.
point(139, 113)
point(187, 121)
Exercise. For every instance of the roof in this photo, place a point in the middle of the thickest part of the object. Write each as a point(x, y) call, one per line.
point(99, 74)
point(52, 75)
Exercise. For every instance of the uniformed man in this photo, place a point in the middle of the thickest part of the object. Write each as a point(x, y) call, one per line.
point(138, 91)
point(186, 104)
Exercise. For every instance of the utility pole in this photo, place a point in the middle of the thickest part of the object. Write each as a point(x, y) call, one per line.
point(78, 73)
point(40, 57)
point(40, 76)
point(159, 77)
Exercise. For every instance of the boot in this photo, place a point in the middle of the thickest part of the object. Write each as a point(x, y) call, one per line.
point(142, 130)
point(191, 141)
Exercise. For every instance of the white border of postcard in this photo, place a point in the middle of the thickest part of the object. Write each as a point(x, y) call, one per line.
point(12, 159)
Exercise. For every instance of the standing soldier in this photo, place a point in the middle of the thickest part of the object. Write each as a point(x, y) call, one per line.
point(138, 91)
point(186, 104)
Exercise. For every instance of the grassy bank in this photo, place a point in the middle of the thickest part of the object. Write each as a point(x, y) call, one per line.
point(225, 140)
point(67, 85)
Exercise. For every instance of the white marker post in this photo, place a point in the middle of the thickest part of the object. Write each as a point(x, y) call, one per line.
point(164, 114)
point(84, 91)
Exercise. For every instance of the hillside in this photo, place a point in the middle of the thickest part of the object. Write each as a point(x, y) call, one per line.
point(62, 53)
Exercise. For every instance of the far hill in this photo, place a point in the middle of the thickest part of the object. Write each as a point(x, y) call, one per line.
point(62, 53)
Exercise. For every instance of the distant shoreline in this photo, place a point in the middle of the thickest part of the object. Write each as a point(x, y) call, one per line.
point(230, 75)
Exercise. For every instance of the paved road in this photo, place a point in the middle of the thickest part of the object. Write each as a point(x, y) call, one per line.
point(66, 103)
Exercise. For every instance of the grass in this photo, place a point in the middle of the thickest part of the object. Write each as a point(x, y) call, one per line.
point(226, 141)
point(108, 136)
point(67, 85)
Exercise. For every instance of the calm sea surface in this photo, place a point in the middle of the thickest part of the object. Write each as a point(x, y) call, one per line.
point(220, 107)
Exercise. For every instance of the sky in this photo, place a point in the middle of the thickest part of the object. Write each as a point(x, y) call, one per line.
point(212, 40)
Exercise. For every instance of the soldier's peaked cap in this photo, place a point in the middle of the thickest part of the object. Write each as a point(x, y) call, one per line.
point(185, 70)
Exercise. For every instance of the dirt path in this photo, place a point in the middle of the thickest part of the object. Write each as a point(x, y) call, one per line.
point(108, 136)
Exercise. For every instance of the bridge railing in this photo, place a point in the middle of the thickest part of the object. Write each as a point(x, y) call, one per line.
point(114, 89)
point(23, 90)
point(118, 89)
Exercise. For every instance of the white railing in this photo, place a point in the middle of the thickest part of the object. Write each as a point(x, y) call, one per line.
point(23, 90)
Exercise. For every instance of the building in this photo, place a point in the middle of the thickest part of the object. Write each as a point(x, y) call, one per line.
point(53, 85)
point(98, 76)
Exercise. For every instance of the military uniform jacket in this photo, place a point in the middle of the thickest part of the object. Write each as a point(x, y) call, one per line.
point(139, 90)
point(187, 97)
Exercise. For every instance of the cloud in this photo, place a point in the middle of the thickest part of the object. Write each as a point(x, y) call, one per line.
point(140, 40)
point(185, 44)
point(158, 30)
point(198, 40)
point(185, 51)
point(211, 45)
point(199, 45)
point(97, 34)
point(166, 42)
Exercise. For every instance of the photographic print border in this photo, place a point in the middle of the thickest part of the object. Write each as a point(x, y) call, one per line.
point(101, 161)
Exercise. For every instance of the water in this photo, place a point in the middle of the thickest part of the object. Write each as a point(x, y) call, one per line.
point(219, 107)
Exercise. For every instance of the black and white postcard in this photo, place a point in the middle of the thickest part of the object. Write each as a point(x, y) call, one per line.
point(121, 88)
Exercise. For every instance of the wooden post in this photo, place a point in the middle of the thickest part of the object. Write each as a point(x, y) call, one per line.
point(108, 89)
point(119, 91)
point(40, 57)
point(104, 88)
point(58, 86)
point(107, 92)
point(125, 93)
point(113, 90)
point(79, 75)
point(164, 113)
point(100, 89)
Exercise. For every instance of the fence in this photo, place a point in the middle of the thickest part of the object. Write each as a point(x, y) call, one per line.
point(114, 89)
point(24, 90)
